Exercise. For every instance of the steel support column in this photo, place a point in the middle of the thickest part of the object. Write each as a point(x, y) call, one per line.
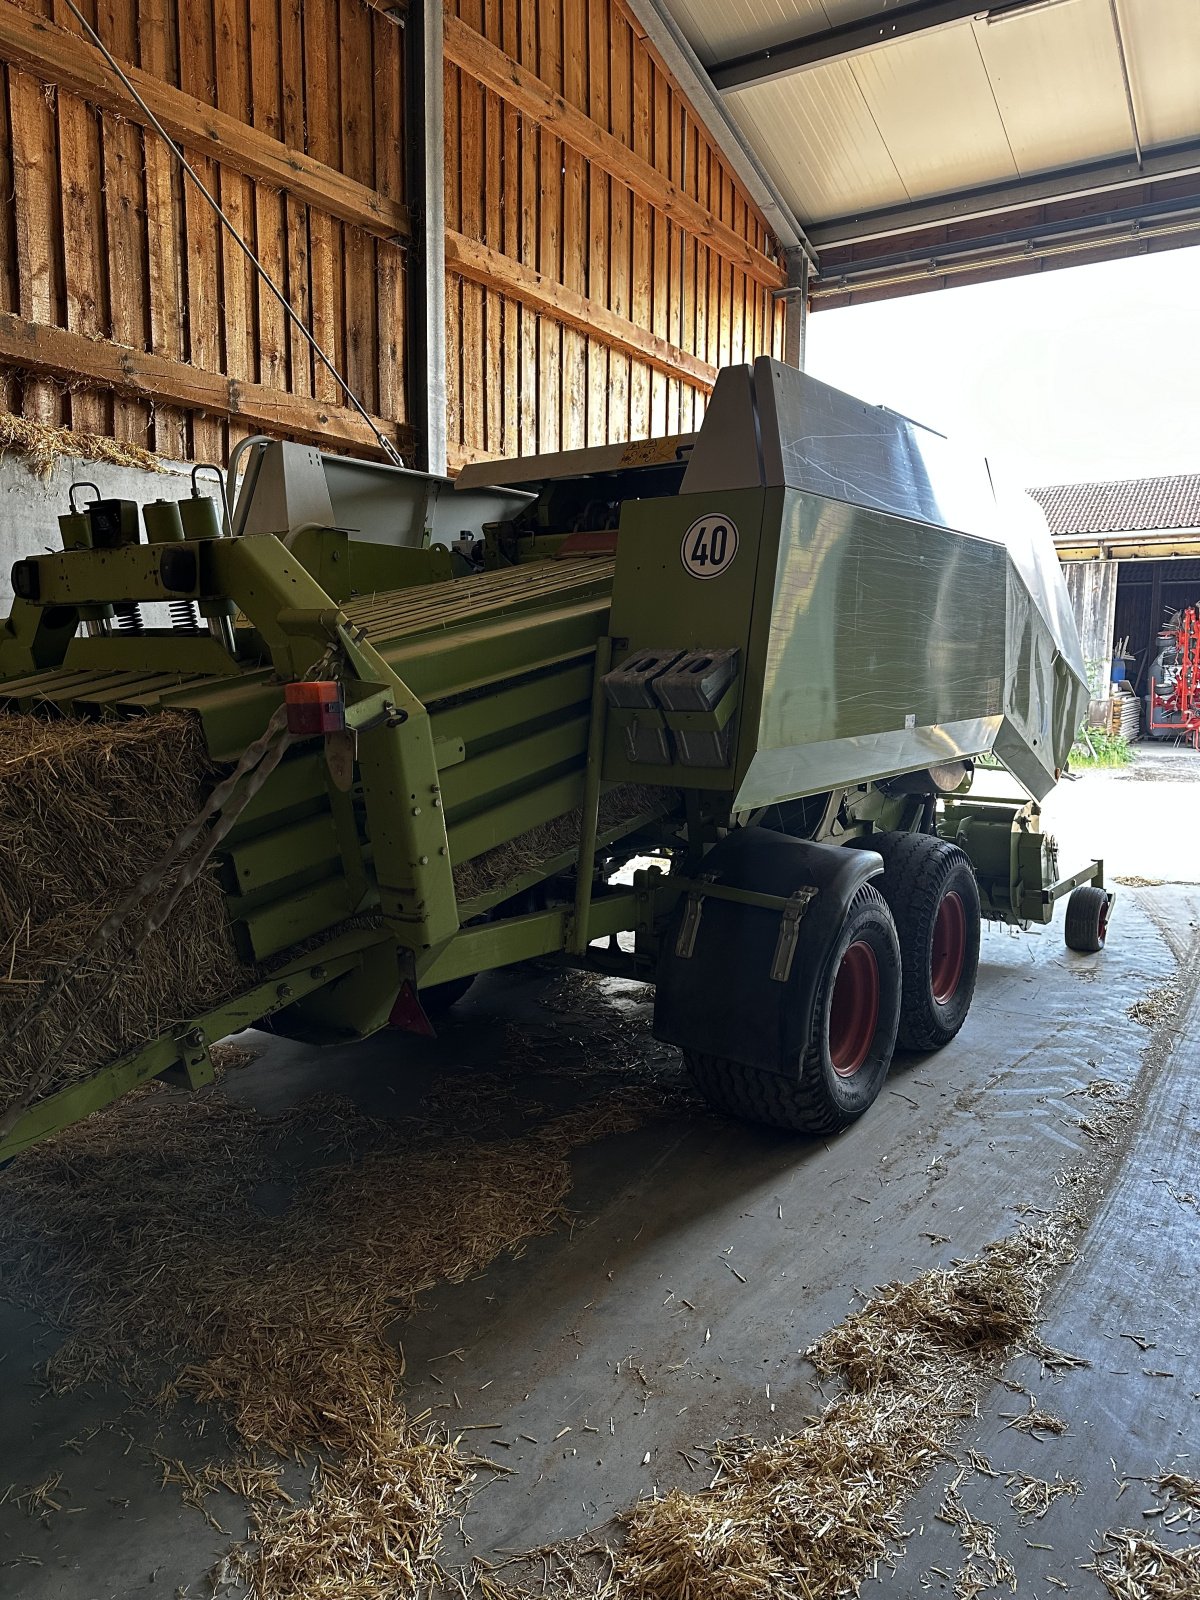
point(426, 156)
point(795, 309)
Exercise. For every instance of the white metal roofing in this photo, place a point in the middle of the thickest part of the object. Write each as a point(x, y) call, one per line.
point(993, 98)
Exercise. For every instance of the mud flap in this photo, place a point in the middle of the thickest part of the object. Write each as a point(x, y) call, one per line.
point(739, 980)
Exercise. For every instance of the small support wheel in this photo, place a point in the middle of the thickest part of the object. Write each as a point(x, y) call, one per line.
point(1088, 912)
point(849, 1049)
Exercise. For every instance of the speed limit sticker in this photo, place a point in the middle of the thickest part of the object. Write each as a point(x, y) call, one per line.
point(709, 546)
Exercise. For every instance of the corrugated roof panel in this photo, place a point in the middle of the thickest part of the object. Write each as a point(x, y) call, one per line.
point(1162, 43)
point(719, 30)
point(932, 103)
point(1056, 76)
point(820, 144)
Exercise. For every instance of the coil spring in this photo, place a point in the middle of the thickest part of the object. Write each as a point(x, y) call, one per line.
point(129, 616)
point(184, 616)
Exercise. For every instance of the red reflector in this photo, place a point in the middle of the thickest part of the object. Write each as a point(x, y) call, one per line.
point(314, 707)
point(408, 1013)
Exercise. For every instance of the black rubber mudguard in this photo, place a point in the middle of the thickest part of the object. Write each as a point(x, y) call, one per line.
point(721, 999)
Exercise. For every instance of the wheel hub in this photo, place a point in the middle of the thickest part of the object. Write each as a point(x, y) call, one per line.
point(949, 953)
point(854, 1009)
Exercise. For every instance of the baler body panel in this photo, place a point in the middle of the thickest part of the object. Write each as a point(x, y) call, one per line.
point(891, 613)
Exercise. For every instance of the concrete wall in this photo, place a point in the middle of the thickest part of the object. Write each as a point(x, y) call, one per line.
point(1092, 586)
point(30, 505)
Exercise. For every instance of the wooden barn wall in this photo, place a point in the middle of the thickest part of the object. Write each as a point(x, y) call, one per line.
point(602, 260)
point(292, 112)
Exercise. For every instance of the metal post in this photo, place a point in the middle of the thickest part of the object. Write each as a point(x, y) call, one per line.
point(426, 159)
point(589, 822)
point(795, 308)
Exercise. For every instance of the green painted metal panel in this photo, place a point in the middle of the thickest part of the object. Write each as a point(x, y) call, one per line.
point(514, 767)
point(868, 657)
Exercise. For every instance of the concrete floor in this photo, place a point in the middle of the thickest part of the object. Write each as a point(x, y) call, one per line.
point(589, 1329)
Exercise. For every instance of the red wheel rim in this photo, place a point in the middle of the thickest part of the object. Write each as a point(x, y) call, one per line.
point(949, 948)
point(854, 1009)
point(1102, 923)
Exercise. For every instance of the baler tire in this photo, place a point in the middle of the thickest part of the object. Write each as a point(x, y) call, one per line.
point(818, 1098)
point(1087, 919)
point(920, 875)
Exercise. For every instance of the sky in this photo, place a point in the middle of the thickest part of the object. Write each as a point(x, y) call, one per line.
point(1080, 373)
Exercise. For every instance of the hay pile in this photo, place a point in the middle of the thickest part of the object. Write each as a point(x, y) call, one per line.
point(812, 1515)
point(1132, 1566)
point(40, 444)
point(85, 808)
point(146, 1234)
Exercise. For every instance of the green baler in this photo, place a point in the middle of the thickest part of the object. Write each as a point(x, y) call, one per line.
point(654, 689)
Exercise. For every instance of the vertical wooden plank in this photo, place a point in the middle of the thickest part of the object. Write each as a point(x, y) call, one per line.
point(510, 41)
point(715, 309)
point(158, 54)
point(266, 104)
point(576, 232)
point(687, 315)
point(470, 169)
point(123, 208)
point(643, 242)
point(550, 347)
point(620, 243)
point(80, 172)
point(239, 281)
point(79, 161)
point(660, 286)
point(322, 115)
point(493, 302)
point(9, 395)
point(454, 350)
point(38, 223)
point(291, 61)
point(201, 258)
point(599, 188)
point(388, 98)
point(530, 189)
point(358, 161)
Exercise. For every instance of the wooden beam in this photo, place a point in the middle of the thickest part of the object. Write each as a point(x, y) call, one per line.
point(467, 258)
point(529, 95)
point(54, 352)
point(57, 56)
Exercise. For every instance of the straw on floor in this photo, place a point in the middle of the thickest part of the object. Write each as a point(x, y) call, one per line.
point(143, 1235)
point(809, 1516)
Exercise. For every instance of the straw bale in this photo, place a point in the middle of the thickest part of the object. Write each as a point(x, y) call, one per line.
point(85, 808)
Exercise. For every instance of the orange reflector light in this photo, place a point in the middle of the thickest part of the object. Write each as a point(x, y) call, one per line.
point(314, 708)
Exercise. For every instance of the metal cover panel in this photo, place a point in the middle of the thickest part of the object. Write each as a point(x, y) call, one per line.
point(931, 101)
point(718, 30)
point(1056, 76)
point(1162, 42)
point(817, 139)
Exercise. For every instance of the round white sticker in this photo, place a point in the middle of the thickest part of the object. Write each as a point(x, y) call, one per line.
point(709, 546)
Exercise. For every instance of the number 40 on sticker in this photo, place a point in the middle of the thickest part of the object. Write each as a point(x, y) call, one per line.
point(709, 546)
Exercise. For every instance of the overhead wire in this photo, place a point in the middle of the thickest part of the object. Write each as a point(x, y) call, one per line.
point(385, 444)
